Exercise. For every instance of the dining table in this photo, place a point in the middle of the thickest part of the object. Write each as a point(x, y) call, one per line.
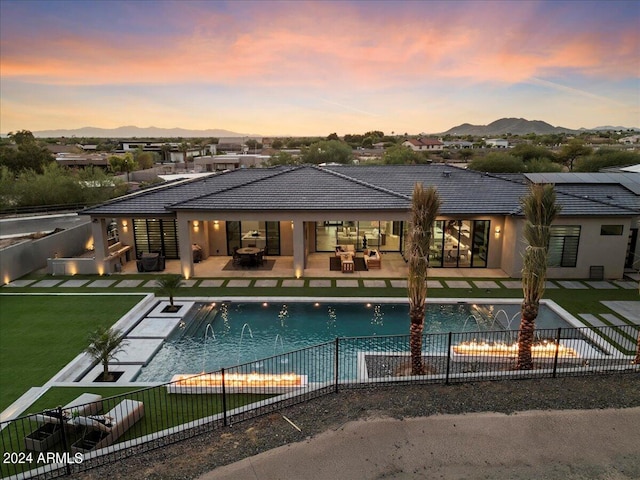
point(249, 251)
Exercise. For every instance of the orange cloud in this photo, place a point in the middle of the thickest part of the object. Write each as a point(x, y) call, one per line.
point(296, 44)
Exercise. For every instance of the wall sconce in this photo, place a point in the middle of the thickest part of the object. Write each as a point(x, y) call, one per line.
point(196, 225)
point(291, 225)
point(216, 224)
point(497, 232)
point(125, 226)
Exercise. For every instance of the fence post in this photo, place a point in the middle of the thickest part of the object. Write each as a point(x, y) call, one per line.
point(224, 399)
point(448, 357)
point(337, 365)
point(65, 444)
point(555, 360)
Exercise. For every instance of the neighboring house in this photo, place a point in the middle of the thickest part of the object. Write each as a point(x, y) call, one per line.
point(423, 144)
point(87, 148)
point(218, 163)
point(630, 140)
point(295, 207)
point(172, 154)
point(497, 143)
point(458, 144)
point(83, 160)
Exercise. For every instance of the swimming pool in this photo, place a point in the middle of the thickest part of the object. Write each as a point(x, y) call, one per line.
point(221, 335)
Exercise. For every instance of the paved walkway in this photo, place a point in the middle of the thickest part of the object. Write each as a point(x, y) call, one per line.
point(567, 445)
point(121, 282)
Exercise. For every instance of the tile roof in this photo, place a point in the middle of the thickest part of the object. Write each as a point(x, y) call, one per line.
point(374, 187)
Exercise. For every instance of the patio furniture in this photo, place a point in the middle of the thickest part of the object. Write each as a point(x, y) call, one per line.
point(372, 259)
point(150, 262)
point(103, 431)
point(49, 433)
point(345, 249)
point(348, 266)
point(197, 253)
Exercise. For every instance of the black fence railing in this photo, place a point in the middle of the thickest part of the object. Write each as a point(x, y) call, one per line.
point(91, 431)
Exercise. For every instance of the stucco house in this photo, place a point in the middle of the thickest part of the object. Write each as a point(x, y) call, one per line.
point(303, 210)
point(423, 144)
point(497, 143)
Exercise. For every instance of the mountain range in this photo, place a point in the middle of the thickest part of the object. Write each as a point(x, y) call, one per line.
point(131, 131)
point(514, 126)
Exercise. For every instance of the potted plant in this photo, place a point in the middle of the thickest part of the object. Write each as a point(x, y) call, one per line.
point(168, 285)
point(104, 345)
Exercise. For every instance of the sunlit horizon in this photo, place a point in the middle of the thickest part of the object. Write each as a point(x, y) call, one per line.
point(313, 68)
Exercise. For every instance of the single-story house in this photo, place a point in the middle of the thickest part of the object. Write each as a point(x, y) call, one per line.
point(497, 143)
point(302, 210)
point(423, 144)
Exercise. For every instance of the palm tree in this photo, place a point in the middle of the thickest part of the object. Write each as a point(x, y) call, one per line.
point(424, 210)
point(104, 345)
point(540, 209)
point(637, 359)
point(168, 285)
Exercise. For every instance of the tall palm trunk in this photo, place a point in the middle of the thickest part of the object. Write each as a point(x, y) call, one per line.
point(637, 359)
point(540, 209)
point(424, 210)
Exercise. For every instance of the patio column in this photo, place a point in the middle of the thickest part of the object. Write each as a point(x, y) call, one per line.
point(298, 248)
point(100, 246)
point(186, 255)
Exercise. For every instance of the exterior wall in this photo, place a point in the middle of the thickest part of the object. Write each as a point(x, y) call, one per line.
point(496, 241)
point(217, 238)
point(512, 247)
point(23, 258)
point(595, 249)
point(286, 238)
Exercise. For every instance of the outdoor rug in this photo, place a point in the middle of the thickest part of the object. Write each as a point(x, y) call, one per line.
point(335, 266)
point(268, 265)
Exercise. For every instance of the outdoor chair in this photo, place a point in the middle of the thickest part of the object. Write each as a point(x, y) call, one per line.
point(102, 431)
point(49, 433)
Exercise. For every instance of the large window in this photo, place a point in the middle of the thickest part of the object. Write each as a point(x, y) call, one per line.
point(563, 246)
point(156, 235)
point(254, 234)
point(459, 243)
point(380, 234)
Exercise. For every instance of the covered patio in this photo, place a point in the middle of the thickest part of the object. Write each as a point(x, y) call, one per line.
point(393, 266)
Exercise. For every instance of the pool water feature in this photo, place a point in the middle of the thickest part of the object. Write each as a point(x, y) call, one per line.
point(221, 335)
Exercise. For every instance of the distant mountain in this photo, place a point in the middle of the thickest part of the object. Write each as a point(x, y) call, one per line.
point(514, 126)
point(131, 131)
point(614, 129)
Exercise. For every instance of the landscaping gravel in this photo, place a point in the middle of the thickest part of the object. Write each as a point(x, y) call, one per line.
point(193, 457)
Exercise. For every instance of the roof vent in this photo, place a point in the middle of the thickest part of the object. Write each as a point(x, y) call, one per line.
point(446, 173)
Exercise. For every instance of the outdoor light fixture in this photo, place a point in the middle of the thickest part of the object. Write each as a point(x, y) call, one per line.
point(196, 225)
point(125, 226)
point(497, 232)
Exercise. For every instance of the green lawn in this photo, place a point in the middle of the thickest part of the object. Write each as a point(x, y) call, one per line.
point(40, 334)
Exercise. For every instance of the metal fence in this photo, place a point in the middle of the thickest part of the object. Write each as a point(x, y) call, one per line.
point(93, 431)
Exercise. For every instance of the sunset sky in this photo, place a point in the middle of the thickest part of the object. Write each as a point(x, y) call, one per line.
point(317, 67)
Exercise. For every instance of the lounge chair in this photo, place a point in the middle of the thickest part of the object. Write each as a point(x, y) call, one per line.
point(102, 431)
point(50, 430)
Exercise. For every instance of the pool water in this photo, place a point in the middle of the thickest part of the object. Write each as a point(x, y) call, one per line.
point(223, 335)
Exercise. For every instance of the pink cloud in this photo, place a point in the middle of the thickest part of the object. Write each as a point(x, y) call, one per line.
point(301, 44)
